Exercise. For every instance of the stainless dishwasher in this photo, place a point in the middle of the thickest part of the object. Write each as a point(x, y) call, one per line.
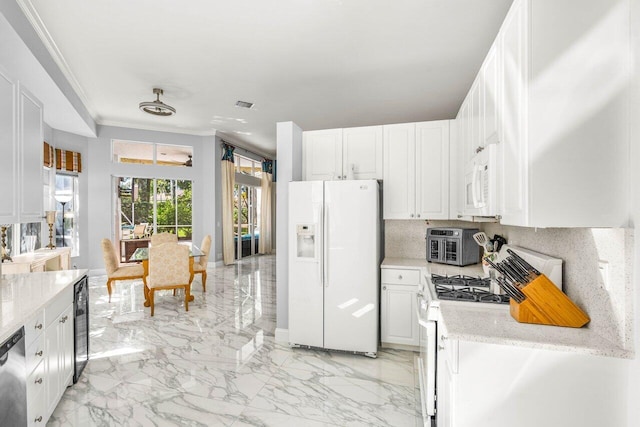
point(13, 381)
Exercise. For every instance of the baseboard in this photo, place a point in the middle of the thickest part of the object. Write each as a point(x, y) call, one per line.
point(98, 272)
point(282, 336)
point(400, 346)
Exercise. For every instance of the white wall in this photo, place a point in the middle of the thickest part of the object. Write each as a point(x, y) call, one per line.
point(101, 171)
point(633, 395)
point(289, 146)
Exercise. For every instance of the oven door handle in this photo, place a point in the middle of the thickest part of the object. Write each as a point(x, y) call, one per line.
point(430, 380)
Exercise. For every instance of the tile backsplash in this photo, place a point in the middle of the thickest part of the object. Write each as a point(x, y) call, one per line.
point(611, 309)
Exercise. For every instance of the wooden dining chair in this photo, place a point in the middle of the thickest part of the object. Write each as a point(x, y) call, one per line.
point(160, 238)
point(200, 267)
point(114, 271)
point(169, 269)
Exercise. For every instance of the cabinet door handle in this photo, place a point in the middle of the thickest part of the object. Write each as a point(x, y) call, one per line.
point(411, 215)
point(38, 326)
point(64, 319)
point(399, 276)
point(479, 149)
point(38, 381)
point(39, 353)
point(384, 288)
point(38, 420)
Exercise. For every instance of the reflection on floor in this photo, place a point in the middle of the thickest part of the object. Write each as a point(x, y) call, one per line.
point(218, 364)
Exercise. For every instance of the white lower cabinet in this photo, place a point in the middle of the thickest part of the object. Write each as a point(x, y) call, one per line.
point(399, 325)
point(49, 357)
point(59, 360)
point(36, 409)
point(496, 385)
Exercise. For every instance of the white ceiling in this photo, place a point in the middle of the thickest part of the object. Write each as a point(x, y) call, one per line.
point(319, 63)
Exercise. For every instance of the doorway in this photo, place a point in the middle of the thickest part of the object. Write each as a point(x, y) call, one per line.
point(246, 220)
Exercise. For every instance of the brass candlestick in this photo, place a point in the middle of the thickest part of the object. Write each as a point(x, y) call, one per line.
point(51, 219)
point(5, 255)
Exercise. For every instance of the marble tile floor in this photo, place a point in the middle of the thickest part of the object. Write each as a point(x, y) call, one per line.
point(219, 365)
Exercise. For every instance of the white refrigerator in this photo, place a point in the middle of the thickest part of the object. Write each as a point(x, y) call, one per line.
point(334, 259)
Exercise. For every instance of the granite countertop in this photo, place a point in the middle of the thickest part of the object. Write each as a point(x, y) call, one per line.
point(493, 324)
point(429, 267)
point(22, 295)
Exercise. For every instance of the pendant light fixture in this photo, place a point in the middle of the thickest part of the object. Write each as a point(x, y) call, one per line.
point(157, 107)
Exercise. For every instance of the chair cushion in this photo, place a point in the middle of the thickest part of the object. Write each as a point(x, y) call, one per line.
point(127, 271)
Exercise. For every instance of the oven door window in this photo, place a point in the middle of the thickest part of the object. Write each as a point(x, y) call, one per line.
point(451, 250)
point(434, 249)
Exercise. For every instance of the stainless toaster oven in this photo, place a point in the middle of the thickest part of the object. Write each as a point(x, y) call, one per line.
point(453, 246)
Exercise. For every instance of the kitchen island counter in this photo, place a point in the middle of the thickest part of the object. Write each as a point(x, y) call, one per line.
point(22, 295)
point(495, 325)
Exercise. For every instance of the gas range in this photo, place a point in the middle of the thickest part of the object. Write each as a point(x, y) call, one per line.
point(465, 288)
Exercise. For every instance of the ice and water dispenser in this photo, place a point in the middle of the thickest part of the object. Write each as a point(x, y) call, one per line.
point(306, 241)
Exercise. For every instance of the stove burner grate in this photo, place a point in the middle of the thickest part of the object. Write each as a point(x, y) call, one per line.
point(466, 288)
point(460, 280)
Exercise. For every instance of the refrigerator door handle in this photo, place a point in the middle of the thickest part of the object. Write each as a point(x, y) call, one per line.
point(320, 246)
point(325, 242)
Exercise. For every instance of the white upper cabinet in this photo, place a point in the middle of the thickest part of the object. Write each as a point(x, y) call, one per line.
point(362, 152)
point(337, 154)
point(21, 153)
point(31, 153)
point(416, 170)
point(557, 126)
point(475, 120)
point(490, 85)
point(8, 150)
point(432, 170)
point(322, 154)
point(514, 165)
point(399, 175)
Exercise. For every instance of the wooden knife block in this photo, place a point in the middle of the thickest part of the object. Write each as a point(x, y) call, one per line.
point(547, 305)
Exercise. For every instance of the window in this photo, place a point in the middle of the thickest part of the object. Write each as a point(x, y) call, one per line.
point(7, 239)
point(154, 205)
point(67, 206)
point(247, 166)
point(146, 153)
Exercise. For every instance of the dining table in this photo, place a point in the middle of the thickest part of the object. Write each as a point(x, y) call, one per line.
point(142, 255)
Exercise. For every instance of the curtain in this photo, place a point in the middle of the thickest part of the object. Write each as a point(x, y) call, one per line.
point(68, 160)
point(264, 244)
point(48, 155)
point(228, 182)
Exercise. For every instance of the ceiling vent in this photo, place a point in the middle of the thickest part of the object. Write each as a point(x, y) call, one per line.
point(244, 104)
point(157, 107)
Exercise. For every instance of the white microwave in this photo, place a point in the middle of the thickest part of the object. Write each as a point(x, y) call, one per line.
point(480, 183)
